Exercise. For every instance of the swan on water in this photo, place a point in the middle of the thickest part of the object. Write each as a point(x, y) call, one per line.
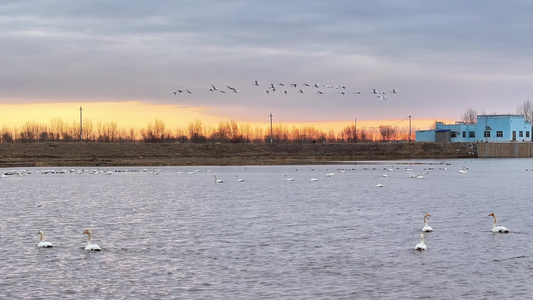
point(496, 228)
point(312, 178)
point(463, 170)
point(239, 179)
point(426, 227)
point(91, 247)
point(379, 184)
point(288, 178)
point(421, 246)
point(218, 180)
point(42, 243)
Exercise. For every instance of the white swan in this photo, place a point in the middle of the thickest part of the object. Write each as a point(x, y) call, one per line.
point(42, 243)
point(379, 184)
point(91, 247)
point(288, 178)
point(496, 228)
point(218, 180)
point(239, 179)
point(463, 170)
point(426, 228)
point(421, 246)
point(312, 178)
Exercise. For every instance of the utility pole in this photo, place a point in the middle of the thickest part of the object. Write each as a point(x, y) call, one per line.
point(81, 124)
point(271, 131)
point(409, 128)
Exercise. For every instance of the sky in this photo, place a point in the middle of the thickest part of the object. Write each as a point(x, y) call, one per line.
point(123, 60)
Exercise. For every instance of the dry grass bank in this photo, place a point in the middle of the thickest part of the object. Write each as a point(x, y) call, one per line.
point(175, 154)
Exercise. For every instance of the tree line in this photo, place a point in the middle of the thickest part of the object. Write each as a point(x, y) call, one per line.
point(196, 132)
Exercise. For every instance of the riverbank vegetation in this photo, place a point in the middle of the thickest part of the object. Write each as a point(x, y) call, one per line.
point(225, 132)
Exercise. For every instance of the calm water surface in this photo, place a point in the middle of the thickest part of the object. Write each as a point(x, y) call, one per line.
point(174, 235)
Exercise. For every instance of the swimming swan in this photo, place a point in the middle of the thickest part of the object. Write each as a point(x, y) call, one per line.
point(496, 228)
point(218, 180)
point(43, 244)
point(427, 228)
point(239, 179)
point(91, 247)
point(421, 246)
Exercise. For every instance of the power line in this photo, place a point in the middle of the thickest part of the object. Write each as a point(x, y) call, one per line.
point(408, 117)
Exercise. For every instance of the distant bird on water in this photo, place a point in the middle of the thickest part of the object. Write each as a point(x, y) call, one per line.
point(496, 228)
point(90, 246)
point(427, 228)
point(42, 243)
point(421, 245)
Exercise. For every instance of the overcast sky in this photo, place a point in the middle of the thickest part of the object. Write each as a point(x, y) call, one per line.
point(442, 57)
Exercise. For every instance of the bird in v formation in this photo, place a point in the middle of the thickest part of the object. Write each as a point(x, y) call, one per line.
point(272, 88)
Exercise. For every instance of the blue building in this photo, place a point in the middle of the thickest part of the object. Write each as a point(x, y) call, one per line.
point(489, 128)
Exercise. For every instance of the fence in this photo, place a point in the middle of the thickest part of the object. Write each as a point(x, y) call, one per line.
point(504, 150)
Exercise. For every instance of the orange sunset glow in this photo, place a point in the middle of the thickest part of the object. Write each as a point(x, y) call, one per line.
point(137, 115)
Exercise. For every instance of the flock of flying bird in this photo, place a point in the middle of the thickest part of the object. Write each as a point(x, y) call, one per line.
point(294, 87)
point(422, 246)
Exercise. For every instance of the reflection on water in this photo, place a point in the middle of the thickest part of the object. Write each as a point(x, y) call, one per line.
point(175, 233)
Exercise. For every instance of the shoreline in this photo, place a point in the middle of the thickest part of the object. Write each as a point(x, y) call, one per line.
point(76, 154)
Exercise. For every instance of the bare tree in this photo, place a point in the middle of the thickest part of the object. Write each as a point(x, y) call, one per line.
point(349, 133)
point(526, 109)
point(469, 116)
point(195, 131)
point(387, 133)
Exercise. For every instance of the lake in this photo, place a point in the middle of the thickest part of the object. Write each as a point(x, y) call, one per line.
point(173, 233)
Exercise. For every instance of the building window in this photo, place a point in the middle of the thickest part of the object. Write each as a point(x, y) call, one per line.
point(453, 134)
point(486, 134)
point(527, 134)
point(499, 133)
point(520, 134)
point(464, 134)
point(472, 134)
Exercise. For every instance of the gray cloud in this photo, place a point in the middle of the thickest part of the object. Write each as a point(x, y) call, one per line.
point(443, 56)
